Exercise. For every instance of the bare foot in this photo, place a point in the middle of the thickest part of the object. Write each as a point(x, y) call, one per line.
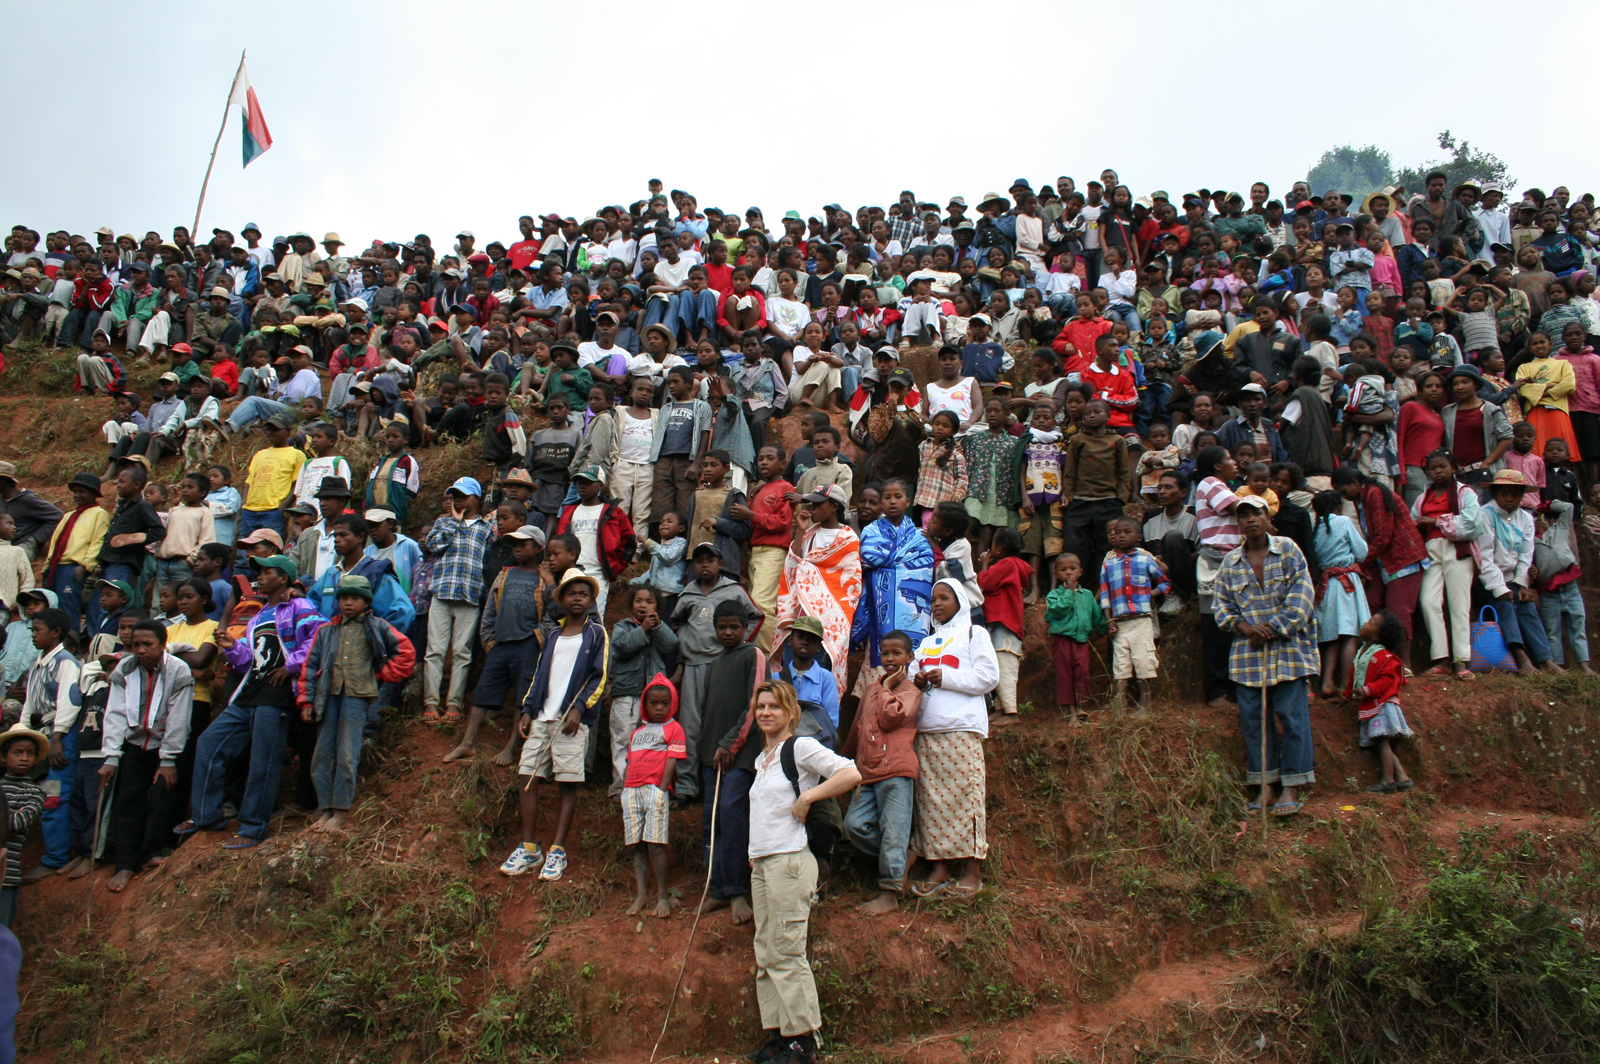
point(1220, 703)
point(1584, 666)
point(1074, 720)
point(71, 867)
point(1551, 666)
point(37, 872)
point(334, 825)
point(638, 906)
point(119, 882)
point(1004, 720)
point(322, 818)
point(663, 908)
point(887, 901)
point(711, 905)
point(508, 755)
point(462, 752)
point(742, 913)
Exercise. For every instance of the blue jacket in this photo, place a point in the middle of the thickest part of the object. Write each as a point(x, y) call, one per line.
point(590, 675)
point(1236, 431)
point(389, 598)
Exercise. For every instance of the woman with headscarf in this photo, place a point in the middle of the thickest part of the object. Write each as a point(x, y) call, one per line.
point(822, 579)
point(955, 667)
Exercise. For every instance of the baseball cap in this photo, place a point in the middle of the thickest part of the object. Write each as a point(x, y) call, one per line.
point(284, 565)
point(827, 493)
point(168, 376)
point(356, 301)
point(1254, 501)
point(532, 532)
point(118, 585)
point(983, 318)
point(809, 625)
point(902, 376)
point(1254, 389)
point(354, 585)
point(593, 472)
point(378, 513)
point(708, 547)
point(465, 486)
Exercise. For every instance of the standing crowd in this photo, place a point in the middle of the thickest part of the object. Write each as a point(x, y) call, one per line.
point(1316, 424)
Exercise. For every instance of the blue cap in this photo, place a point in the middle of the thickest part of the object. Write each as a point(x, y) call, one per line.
point(466, 486)
point(249, 226)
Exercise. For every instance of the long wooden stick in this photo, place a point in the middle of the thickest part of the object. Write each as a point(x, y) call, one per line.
point(195, 232)
point(1266, 814)
point(711, 849)
point(94, 854)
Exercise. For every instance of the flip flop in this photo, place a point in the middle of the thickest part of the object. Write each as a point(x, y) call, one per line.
point(1253, 807)
point(241, 842)
point(1283, 809)
point(1438, 670)
point(452, 715)
point(928, 890)
point(1466, 674)
point(189, 827)
point(961, 890)
point(430, 715)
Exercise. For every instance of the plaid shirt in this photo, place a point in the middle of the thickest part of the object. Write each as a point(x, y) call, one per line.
point(905, 230)
point(461, 545)
point(1128, 580)
point(935, 485)
point(1284, 600)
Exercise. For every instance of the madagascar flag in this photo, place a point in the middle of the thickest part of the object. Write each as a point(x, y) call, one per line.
point(257, 138)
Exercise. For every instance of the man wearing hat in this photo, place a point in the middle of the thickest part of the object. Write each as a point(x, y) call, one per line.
point(388, 543)
point(315, 550)
point(605, 534)
point(35, 518)
point(256, 720)
point(1252, 425)
point(1264, 597)
point(461, 540)
point(296, 266)
point(74, 547)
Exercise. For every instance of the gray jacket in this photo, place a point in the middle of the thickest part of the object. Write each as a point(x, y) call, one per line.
point(1495, 428)
point(166, 726)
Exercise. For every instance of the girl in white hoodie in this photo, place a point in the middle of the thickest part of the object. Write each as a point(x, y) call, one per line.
point(955, 667)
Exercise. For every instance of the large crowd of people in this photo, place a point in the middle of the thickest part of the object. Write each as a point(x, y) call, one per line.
point(1316, 424)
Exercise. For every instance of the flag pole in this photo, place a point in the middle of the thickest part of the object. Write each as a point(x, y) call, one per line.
point(194, 233)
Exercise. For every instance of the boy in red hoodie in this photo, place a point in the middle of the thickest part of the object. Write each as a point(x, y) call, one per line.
point(1004, 576)
point(654, 750)
point(771, 517)
point(878, 822)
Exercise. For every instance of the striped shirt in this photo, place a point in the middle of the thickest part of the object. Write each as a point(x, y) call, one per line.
point(24, 804)
point(1214, 506)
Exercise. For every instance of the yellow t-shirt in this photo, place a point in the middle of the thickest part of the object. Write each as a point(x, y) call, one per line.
point(197, 636)
point(273, 472)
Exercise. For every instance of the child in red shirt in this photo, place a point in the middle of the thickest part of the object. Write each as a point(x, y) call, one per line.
point(1376, 682)
point(1079, 335)
point(1004, 576)
point(1113, 383)
point(654, 750)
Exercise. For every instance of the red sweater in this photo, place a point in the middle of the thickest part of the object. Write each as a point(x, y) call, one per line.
point(1081, 335)
point(771, 515)
point(1002, 583)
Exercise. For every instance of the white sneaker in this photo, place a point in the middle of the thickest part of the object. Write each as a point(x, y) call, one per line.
point(555, 862)
point(522, 861)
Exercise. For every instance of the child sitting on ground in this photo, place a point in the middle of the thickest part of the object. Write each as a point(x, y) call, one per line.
point(878, 822)
point(1376, 682)
point(1074, 618)
point(654, 749)
point(1130, 577)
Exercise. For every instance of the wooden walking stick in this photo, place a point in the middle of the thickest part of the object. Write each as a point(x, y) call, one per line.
point(94, 853)
point(1266, 814)
point(711, 849)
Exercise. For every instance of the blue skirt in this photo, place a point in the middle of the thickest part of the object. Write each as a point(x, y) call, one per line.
point(1388, 723)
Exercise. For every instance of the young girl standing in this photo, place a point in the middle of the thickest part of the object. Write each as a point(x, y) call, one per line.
point(1449, 519)
point(944, 466)
point(1376, 682)
point(1341, 601)
point(992, 474)
point(1003, 579)
point(1544, 383)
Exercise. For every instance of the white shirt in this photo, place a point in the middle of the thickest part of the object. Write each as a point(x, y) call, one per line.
point(674, 274)
point(1119, 286)
point(591, 353)
point(311, 474)
point(304, 384)
point(561, 666)
point(1091, 225)
point(773, 828)
point(586, 526)
point(637, 434)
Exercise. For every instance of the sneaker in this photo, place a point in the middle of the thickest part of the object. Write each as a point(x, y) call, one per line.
point(555, 863)
point(522, 861)
point(1171, 606)
point(801, 1049)
point(768, 1051)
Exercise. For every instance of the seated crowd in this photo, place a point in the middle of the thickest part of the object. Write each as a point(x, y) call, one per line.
point(1318, 426)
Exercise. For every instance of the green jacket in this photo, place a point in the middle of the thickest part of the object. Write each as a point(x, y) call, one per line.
point(125, 305)
point(1074, 613)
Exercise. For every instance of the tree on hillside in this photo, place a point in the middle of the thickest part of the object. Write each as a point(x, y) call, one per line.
point(1352, 171)
point(1463, 163)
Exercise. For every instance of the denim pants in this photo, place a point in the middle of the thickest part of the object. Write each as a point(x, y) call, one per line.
point(68, 587)
point(696, 310)
point(264, 732)
point(256, 408)
point(81, 806)
point(249, 521)
point(79, 327)
point(730, 859)
point(55, 823)
point(662, 312)
point(878, 823)
point(113, 571)
point(338, 754)
point(1565, 605)
point(1522, 627)
point(1153, 403)
point(172, 571)
point(1124, 313)
point(1288, 733)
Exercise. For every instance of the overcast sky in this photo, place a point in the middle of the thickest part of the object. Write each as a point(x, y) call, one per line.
point(401, 117)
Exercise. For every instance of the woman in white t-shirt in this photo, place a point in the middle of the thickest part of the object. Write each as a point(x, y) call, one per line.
point(787, 317)
point(783, 872)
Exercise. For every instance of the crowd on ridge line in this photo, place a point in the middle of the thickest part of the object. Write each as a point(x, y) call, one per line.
point(1313, 426)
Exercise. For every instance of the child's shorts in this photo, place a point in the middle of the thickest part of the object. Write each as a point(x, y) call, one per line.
point(644, 815)
point(549, 754)
point(505, 672)
point(1041, 531)
point(1133, 649)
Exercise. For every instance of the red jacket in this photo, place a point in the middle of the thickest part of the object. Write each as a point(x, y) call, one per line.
point(1002, 583)
point(771, 515)
point(1385, 677)
point(1081, 335)
point(1393, 541)
point(96, 298)
point(881, 736)
point(616, 536)
point(1118, 388)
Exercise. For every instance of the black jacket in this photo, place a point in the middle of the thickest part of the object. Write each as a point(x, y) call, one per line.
point(132, 515)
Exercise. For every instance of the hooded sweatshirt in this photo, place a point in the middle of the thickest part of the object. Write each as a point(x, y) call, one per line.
point(969, 670)
point(652, 745)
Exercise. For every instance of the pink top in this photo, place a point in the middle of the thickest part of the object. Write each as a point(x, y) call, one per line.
point(1531, 466)
point(1385, 273)
point(1585, 398)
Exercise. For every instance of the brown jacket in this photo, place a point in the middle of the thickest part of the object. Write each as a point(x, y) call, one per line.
point(884, 728)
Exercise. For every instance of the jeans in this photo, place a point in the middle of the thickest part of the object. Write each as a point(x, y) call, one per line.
point(1288, 733)
point(10, 968)
point(662, 312)
point(730, 858)
point(878, 823)
point(68, 586)
point(1522, 627)
point(172, 571)
point(264, 732)
point(696, 311)
point(250, 520)
point(849, 381)
point(112, 571)
point(79, 327)
point(55, 823)
point(1153, 403)
point(338, 755)
point(1124, 313)
point(81, 806)
point(1565, 605)
point(256, 408)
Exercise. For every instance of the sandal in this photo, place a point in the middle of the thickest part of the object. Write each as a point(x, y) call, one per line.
point(452, 715)
point(961, 890)
point(189, 827)
point(1438, 670)
point(1285, 809)
point(242, 842)
point(430, 714)
point(928, 890)
point(1466, 674)
point(1381, 788)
